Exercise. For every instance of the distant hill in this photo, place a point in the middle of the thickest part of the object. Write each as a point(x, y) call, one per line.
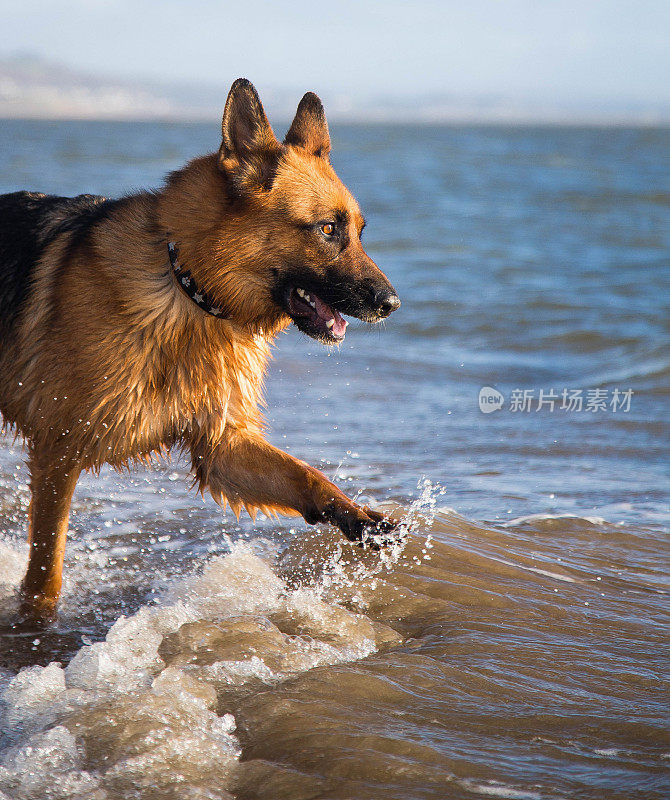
point(32, 87)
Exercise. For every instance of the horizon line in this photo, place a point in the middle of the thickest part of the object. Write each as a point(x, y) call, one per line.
point(338, 119)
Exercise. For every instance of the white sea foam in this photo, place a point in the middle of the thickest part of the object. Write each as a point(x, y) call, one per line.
point(545, 517)
point(608, 752)
point(48, 766)
point(13, 561)
point(143, 708)
point(149, 708)
point(495, 789)
point(547, 573)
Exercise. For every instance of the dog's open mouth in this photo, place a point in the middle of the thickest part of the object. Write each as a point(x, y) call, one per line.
point(314, 317)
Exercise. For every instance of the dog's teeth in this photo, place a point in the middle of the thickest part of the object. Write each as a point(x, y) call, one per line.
point(330, 323)
point(302, 293)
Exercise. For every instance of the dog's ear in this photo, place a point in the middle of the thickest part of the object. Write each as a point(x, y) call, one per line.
point(309, 129)
point(249, 147)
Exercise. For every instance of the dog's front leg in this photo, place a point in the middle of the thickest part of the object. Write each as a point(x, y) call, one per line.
point(244, 469)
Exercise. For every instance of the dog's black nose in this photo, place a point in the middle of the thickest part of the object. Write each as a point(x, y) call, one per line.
point(387, 301)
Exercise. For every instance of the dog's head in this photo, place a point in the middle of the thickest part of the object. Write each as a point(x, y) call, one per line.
point(295, 229)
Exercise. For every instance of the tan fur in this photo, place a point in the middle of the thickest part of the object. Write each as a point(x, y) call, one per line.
point(113, 363)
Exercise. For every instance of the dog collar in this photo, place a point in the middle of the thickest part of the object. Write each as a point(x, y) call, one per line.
point(190, 287)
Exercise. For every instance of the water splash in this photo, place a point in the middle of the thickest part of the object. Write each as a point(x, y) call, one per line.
point(347, 568)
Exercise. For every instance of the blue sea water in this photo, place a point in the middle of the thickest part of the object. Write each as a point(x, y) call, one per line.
point(528, 659)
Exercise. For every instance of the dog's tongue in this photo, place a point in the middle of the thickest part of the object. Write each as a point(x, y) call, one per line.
point(326, 313)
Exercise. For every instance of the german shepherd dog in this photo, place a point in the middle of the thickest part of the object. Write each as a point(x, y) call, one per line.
point(131, 326)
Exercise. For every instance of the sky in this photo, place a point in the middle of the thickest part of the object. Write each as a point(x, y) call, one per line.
point(603, 51)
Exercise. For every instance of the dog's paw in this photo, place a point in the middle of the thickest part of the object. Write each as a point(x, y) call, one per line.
point(386, 531)
point(382, 523)
point(363, 525)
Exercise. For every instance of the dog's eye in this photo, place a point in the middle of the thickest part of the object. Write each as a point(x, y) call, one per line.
point(328, 228)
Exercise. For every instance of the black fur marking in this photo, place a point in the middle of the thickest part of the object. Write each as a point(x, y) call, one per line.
point(29, 223)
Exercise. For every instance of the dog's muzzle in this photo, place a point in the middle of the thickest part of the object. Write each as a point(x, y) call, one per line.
point(322, 318)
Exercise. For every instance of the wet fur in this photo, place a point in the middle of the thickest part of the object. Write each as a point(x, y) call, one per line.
point(104, 360)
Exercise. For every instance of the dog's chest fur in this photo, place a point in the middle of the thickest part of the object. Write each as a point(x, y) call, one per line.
point(198, 385)
point(176, 380)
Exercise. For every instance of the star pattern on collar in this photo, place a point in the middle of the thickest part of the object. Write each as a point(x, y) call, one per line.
point(189, 286)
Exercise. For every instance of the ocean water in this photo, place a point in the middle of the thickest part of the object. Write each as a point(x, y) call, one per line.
point(514, 642)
